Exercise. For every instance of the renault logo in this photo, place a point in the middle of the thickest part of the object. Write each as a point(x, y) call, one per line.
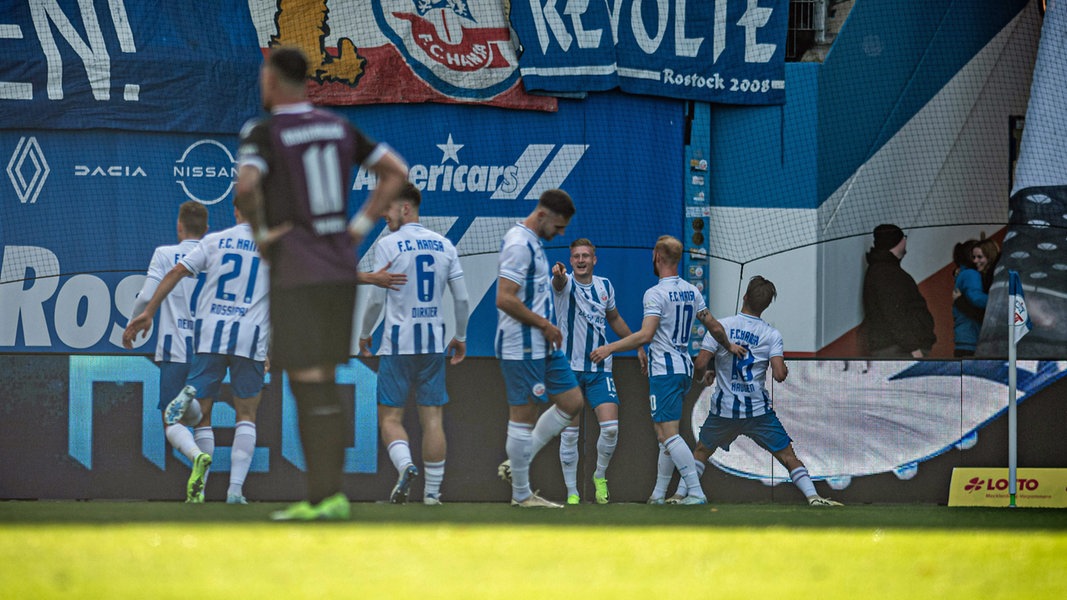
point(28, 169)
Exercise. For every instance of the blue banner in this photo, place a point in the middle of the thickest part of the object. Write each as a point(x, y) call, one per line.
point(143, 66)
point(726, 51)
point(81, 212)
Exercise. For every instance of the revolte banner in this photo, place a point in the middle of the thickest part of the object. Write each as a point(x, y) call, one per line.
point(728, 51)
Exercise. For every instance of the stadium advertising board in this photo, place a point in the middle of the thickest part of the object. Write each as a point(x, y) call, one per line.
point(94, 432)
point(81, 212)
point(824, 405)
point(972, 486)
point(728, 51)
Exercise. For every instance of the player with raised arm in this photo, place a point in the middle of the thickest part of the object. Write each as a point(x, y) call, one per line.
point(528, 345)
point(413, 349)
point(741, 404)
point(174, 339)
point(586, 307)
point(296, 166)
point(670, 307)
point(231, 332)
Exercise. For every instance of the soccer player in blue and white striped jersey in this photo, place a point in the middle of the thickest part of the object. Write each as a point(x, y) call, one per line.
point(174, 329)
point(585, 304)
point(741, 404)
point(413, 348)
point(528, 345)
point(230, 331)
point(670, 307)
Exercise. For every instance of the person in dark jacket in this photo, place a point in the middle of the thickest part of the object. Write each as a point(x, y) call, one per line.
point(897, 322)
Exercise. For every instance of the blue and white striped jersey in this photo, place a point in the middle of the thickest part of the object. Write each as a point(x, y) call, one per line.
point(174, 329)
point(414, 314)
point(522, 260)
point(582, 310)
point(740, 382)
point(676, 302)
point(232, 314)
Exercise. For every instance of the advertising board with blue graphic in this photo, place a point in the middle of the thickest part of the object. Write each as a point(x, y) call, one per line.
point(94, 432)
point(81, 212)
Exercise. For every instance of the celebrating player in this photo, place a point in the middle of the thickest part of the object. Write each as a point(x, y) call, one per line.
point(527, 344)
point(231, 332)
point(412, 348)
point(174, 342)
point(296, 166)
point(586, 305)
point(669, 309)
point(740, 404)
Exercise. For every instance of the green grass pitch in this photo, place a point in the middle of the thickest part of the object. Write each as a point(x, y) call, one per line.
point(162, 550)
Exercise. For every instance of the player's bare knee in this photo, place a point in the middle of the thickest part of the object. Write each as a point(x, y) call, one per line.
point(788, 458)
point(246, 408)
point(570, 402)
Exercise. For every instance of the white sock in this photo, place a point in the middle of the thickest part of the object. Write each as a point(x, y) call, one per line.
point(244, 446)
point(802, 480)
point(568, 458)
point(435, 474)
point(193, 414)
point(181, 438)
point(683, 488)
point(700, 473)
point(518, 449)
point(664, 470)
point(683, 460)
point(549, 425)
point(205, 440)
point(400, 454)
point(605, 447)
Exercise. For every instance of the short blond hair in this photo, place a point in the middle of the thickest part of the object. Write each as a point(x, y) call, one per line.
point(583, 242)
point(669, 248)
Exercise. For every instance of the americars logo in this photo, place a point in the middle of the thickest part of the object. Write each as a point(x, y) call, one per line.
point(461, 48)
point(540, 167)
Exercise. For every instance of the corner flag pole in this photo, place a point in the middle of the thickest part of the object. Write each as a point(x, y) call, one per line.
point(1019, 324)
point(1013, 427)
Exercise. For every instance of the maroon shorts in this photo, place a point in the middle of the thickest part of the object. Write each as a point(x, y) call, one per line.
point(311, 325)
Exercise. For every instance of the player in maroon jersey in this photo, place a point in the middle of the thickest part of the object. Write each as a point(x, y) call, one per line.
point(297, 163)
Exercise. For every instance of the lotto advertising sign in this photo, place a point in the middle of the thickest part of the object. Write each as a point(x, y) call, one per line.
point(989, 487)
point(728, 51)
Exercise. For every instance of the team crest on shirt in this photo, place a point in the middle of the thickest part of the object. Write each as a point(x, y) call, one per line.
point(453, 44)
point(538, 389)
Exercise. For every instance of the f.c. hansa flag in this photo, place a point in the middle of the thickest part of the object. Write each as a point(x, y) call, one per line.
point(1020, 320)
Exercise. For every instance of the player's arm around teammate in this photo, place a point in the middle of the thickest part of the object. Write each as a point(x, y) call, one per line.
point(142, 322)
point(383, 278)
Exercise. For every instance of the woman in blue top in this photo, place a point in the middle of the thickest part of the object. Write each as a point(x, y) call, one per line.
point(969, 300)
